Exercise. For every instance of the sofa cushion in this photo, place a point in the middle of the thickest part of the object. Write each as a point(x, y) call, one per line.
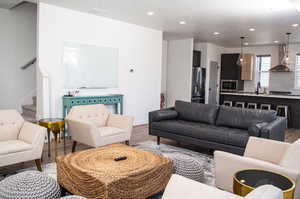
point(196, 112)
point(222, 135)
point(243, 118)
point(291, 157)
point(13, 146)
point(265, 192)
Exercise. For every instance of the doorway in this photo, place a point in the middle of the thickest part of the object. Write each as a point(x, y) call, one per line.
point(213, 83)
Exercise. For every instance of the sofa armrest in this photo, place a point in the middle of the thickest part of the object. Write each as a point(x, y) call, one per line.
point(275, 130)
point(121, 121)
point(227, 165)
point(83, 131)
point(164, 114)
point(263, 149)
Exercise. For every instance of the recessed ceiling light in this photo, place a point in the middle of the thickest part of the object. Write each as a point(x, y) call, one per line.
point(216, 33)
point(276, 42)
point(182, 22)
point(295, 25)
point(150, 13)
point(246, 43)
point(252, 29)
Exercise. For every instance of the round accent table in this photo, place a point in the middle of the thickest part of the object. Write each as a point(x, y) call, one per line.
point(56, 126)
point(247, 180)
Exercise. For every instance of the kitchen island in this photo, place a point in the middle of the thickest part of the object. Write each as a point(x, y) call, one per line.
point(292, 101)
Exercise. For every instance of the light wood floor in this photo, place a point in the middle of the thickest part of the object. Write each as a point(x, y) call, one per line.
point(139, 134)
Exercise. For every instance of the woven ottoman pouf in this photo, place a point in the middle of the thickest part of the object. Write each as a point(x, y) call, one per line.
point(187, 166)
point(29, 185)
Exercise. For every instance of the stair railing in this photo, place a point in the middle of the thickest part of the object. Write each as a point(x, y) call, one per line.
point(28, 64)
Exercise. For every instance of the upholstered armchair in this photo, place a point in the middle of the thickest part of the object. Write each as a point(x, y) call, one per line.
point(95, 126)
point(20, 141)
point(279, 157)
point(183, 188)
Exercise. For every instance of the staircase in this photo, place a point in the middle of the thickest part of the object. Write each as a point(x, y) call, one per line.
point(29, 111)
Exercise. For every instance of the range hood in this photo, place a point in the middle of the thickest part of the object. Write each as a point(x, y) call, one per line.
point(283, 66)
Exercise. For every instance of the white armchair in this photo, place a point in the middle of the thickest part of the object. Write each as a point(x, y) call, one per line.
point(260, 153)
point(20, 141)
point(95, 126)
point(182, 188)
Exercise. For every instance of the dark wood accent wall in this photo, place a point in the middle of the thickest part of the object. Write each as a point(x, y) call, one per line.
point(230, 70)
point(293, 104)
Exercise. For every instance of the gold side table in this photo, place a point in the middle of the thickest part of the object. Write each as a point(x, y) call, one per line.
point(56, 126)
point(246, 181)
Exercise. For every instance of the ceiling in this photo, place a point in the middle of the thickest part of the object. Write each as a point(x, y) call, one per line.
point(231, 18)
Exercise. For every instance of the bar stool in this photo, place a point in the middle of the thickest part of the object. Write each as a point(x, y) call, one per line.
point(240, 104)
point(227, 103)
point(282, 111)
point(265, 107)
point(252, 106)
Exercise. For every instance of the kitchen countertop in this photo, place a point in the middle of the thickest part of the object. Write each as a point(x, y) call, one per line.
point(262, 95)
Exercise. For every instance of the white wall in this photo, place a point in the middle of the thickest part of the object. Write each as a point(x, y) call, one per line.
point(17, 47)
point(164, 67)
point(179, 70)
point(278, 81)
point(139, 48)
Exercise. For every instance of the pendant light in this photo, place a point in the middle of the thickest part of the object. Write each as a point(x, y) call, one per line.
point(241, 57)
point(287, 47)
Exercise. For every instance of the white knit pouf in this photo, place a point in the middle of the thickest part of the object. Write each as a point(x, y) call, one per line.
point(187, 166)
point(29, 185)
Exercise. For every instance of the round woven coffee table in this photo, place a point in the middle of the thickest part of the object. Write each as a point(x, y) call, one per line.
point(95, 173)
point(187, 166)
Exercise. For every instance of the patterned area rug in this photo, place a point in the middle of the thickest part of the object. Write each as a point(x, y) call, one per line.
point(167, 150)
point(163, 149)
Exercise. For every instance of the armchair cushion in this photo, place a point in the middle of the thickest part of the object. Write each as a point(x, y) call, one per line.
point(10, 124)
point(263, 149)
point(109, 131)
point(97, 114)
point(265, 192)
point(291, 157)
point(13, 146)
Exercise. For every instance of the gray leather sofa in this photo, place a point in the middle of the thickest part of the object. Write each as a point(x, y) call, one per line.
point(215, 127)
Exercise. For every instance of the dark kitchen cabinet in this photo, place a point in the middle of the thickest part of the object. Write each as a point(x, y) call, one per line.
point(230, 70)
point(196, 58)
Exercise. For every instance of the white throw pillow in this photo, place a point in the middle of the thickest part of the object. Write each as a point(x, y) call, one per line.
point(291, 158)
point(265, 192)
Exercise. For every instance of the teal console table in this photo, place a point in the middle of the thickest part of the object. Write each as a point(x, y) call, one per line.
point(69, 102)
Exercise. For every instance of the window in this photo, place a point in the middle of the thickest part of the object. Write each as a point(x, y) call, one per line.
point(297, 72)
point(263, 63)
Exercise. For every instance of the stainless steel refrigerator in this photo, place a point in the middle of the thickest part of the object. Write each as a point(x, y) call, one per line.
point(198, 85)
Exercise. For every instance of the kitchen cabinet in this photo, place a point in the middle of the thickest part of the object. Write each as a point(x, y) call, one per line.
point(247, 67)
point(230, 70)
